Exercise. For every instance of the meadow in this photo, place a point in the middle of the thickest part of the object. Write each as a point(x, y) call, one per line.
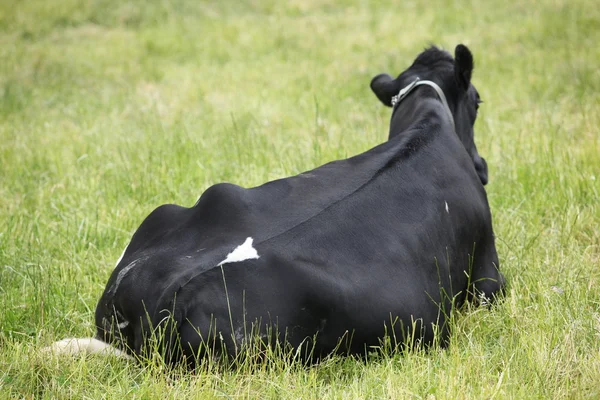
point(109, 109)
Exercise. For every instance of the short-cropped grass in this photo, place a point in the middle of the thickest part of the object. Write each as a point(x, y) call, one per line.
point(110, 108)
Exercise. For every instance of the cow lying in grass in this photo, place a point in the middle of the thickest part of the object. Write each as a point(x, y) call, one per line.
point(385, 242)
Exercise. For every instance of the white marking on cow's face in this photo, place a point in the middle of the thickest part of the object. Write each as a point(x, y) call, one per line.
point(123, 324)
point(243, 252)
point(446, 203)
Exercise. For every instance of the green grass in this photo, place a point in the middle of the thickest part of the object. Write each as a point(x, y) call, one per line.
point(111, 108)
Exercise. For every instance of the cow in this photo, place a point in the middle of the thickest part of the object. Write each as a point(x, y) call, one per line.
point(386, 242)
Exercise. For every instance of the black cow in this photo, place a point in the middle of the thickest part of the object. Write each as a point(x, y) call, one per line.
point(387, 241)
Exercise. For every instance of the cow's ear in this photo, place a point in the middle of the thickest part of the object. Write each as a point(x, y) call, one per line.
point(385, 87)
point(463, 65)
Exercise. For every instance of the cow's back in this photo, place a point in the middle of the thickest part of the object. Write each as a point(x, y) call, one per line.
point(388, 249)
point(345, 247)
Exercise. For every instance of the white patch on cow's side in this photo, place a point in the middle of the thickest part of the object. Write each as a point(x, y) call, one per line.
point(239, 335)
point(74, 346)
point(121, 275)
point(123, 324)
point(243, 252)
point(446, 203)
point(120, 258)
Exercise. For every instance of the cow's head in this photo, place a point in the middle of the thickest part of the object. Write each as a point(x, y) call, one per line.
point(453, 76)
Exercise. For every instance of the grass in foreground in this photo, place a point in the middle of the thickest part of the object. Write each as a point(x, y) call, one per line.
point(109, 109)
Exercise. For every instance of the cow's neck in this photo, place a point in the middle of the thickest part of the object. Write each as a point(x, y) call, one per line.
point(420, 104)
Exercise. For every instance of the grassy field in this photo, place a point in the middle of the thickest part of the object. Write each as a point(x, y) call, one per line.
point(110, 108)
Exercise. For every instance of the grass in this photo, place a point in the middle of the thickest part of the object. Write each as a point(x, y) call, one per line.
point(111, 108)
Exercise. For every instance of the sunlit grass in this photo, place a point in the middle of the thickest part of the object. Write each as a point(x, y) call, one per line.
point(109, 109)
